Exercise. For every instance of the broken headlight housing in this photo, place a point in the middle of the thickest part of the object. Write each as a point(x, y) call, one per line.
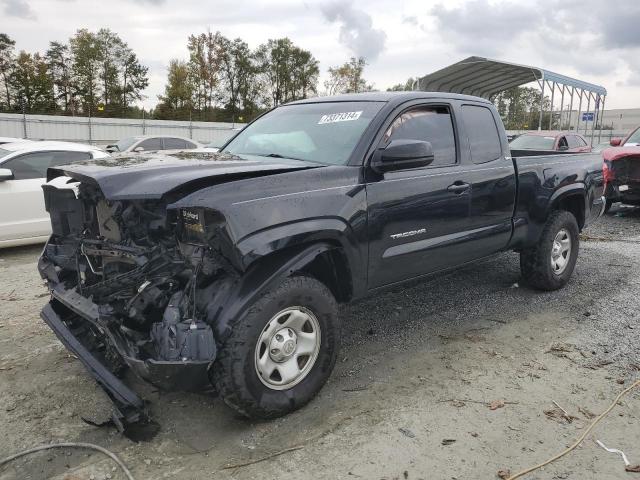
point(191, 225)
point(198, 225)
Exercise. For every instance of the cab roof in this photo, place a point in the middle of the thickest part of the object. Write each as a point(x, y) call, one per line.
point(388, 97)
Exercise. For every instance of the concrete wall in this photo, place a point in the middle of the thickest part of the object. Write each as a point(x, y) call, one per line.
point(101, 131)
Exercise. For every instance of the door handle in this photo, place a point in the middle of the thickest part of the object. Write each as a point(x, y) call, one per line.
point(459, 187)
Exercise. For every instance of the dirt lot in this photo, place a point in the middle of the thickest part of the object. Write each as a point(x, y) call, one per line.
point(410, 395)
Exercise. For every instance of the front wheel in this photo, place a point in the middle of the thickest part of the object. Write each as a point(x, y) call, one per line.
point(549, 265)
point(281, 352)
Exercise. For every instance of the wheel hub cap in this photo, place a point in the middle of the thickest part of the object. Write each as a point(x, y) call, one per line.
point(287, 348)
point(283, 345)
point(560, 252)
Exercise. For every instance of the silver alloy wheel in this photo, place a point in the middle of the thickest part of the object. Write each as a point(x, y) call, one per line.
point(287, 348)
point(560, 252)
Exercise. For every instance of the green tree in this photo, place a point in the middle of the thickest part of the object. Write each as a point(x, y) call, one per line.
point(133, 78)
point(519, 108)
point(348, 78)
point(177, 101)
point(289, 72)
point(204, 66)
point(238, 73)
point(403, 87)
point(59, 61)
point(31, 83)
point(86, 63)
point(7, 46)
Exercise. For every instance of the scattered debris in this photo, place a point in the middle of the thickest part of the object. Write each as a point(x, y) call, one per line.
point(587, 413)
point(496, 404)
point(559, 414)
point(458, 403)
point(560, 348)
point(620, 381)
point(632, 468)
point(504, 473)
point(515, 285)
point(357, 388)
point(448, 441)
point(406, 432)
point(262, 459)
point(615, 450)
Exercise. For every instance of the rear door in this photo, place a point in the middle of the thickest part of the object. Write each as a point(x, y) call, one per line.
point(22, 212)
point(493, 192)
point(417, 218)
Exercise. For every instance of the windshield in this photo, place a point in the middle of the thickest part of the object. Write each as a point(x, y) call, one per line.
point(634, 139)
point(4, 153)
point(532, 142)
point(125, 143)
point(318, 132)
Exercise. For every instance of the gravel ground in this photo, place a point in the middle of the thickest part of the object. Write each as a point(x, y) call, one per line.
point(410, 395)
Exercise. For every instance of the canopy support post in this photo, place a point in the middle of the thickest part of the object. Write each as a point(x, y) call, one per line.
point(604, 99)
point(561, 107)
point(541, 103)
point(573, 90)
point(553, 92)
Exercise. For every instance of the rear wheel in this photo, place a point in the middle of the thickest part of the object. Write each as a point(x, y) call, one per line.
point(549, 265)
point(281, 352)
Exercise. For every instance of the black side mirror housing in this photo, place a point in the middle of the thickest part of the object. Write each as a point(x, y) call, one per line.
point(562, 148)
point(402, 155)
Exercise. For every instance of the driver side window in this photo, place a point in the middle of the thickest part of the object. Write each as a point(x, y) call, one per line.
point(428, 123)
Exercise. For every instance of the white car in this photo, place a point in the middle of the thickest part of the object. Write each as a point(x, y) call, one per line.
point(152, 143)
point(23, 168)
point(12, 140)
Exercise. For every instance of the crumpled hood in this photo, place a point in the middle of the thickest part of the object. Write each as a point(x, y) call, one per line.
point(150, 176)
point(616, 153)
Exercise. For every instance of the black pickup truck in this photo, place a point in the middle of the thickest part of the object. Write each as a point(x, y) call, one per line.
point(227, 269)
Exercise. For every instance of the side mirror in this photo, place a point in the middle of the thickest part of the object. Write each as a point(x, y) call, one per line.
point(138, 149)
point(111, 148)
point(5, 174)
point(562, 148)
point(402, 155)
point(615, 142)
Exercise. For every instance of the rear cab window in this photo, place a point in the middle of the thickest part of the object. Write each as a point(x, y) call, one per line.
point(482, 131)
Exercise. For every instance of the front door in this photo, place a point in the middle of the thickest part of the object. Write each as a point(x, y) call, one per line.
point(417, 218)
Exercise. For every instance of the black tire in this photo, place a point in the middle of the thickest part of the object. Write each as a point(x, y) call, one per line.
point(234, 373)
point(608, 204)
point(535, 262)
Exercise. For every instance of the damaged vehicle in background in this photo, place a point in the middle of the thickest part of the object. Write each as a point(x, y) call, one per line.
point(228, 268)
point(622, 170)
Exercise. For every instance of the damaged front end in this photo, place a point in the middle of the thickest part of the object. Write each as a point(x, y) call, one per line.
point(131, 283)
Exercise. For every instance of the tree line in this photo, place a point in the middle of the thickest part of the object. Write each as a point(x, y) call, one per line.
point(222, 79)
point(93, 73)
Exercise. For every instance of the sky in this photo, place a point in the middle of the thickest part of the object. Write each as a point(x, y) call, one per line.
point(594, 40)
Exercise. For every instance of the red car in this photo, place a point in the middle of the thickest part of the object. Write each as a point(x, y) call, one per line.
point(621, 170)
point(551, 141)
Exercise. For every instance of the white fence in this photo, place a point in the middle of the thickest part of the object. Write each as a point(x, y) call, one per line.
point(102, 131)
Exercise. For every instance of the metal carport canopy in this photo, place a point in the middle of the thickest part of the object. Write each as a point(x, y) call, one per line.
point(484, 77)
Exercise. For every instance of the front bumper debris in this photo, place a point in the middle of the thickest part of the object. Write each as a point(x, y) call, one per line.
point(68, 310)
point(130, 414)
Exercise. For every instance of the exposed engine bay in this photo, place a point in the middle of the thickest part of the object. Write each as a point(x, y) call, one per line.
point(134, 271)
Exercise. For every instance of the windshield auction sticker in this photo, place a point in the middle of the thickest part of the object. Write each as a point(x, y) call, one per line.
point(339, 117)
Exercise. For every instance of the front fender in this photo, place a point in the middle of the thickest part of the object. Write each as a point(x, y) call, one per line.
point(228, 299)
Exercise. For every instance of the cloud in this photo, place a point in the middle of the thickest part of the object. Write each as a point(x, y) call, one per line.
point(18, 8)
point(152, 2)
point(483, 28)
point(356, 29)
